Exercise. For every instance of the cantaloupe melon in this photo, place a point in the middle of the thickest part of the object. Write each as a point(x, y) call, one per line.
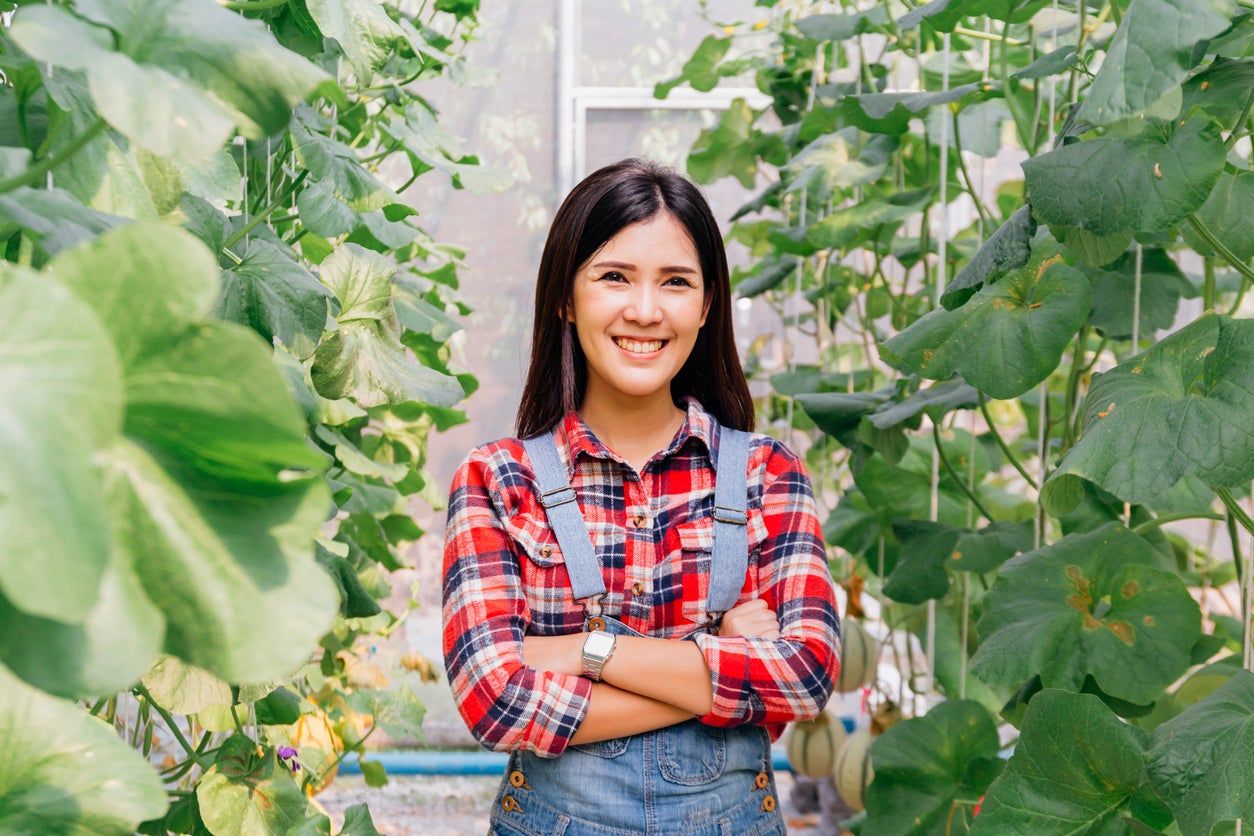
point(812, 745)
point(852, 773)
point(859, 657)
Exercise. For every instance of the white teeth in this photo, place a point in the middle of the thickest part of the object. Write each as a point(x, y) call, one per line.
point(638, 347)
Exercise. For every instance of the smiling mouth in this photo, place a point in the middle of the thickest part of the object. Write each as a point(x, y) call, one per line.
point(640, 347)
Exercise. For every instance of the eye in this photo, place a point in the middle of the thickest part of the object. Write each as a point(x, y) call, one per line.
point(607, 276)
point(682, 280)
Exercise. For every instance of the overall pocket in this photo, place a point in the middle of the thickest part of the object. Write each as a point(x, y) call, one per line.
point(692, 753)
point(611, 748)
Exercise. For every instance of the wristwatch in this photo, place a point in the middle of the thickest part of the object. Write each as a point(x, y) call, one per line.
point(597, 649)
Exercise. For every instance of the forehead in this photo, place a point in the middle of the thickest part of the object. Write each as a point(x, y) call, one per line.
point(659, 240)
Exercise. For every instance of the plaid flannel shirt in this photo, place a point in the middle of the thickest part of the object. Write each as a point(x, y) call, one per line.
point(503, 578)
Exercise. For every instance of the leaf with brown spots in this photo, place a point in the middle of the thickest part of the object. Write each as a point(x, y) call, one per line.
point(1079, 607)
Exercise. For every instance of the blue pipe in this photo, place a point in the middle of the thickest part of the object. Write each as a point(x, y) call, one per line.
point(461, 762)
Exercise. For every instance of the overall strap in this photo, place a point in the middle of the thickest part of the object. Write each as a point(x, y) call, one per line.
point(558, 499)
point(730, 559)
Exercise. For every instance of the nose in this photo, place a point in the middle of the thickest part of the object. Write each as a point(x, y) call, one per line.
point(643, 307)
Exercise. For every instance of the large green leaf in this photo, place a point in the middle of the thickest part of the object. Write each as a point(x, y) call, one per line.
point(364, 358)
point(1096, 604)
point(1182, 406)
point(247, 793)
point(890, 113)
point(1006, 249)
point(1200, 762)
point(733, 148)
point(1008, 337)
point(1151, 54)
point(429, 144)
point(274, 295)
point(926, 766)
point(1143, 184)
point(1076, 769)
point(60, 400)
point(362, 29)
point(211, 486)
point(179, 74)
point(64, 771)
point(854, 224)
point(335, 164)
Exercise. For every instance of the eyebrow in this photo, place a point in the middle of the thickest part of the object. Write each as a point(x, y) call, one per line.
point(622, 265)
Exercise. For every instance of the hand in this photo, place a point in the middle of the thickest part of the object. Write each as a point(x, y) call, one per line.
point(752, 618)
point(559, 654)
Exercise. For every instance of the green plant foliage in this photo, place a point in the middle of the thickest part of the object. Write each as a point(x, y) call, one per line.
point(1067, 783)
point(927, 766)
point(65, 771)
point(1199, 764)
point(1180, 407)
point(931, 550)
point(1098, 604)
point(1008, 337)
point(249, 792)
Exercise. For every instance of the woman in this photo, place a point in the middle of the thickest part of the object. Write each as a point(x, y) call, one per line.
point(636, 593)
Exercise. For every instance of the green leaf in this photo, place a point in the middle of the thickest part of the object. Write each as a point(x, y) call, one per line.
point(65, 771)
point(840, 27)
point(364, 358)
point(890, 113)
point(60, 401)
point(54, 218)
point(335, 165)
point(274, 295)
point(944, 15)
point(1151, 54)
point(1052, 63)
point(1095, 604)
point(835, 161)
point(169, 81)
point(363, 30)
point(1220, 90)
point(1162, 285)
point(373, 772)
point(280, 707)
point(398, 712)
point(977, 126)
point(1081, 781)
point(929, 550)
point(1200, 765)
point(855, 224)
point(1180, 407)
point(355, 601)
point(733, 147)
point(1143, 184)
point(1226, 214)
point(934, 401)
point(183, 688)
point(926, 765)
point(246, 793)
point(701, 70)
point(1089, 249)
point(1008, 248)
point(1008, 337)
point(357, 822)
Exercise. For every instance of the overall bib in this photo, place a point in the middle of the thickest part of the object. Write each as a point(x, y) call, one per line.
point(689, 778)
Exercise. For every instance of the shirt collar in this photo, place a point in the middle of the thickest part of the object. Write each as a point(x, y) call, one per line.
point(581, 440)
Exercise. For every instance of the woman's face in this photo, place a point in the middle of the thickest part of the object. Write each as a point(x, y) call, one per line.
point(642, 288)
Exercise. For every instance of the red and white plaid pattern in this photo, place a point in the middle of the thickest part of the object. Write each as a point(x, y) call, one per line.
point(504, 577)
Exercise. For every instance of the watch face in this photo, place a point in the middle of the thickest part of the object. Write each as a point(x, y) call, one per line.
point(598, 643)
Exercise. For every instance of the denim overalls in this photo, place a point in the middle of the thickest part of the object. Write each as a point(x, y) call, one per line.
point(689, 778)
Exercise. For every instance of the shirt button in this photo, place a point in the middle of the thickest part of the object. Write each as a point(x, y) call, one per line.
point(768, 804)
point(637, 587)
point(546, 551)
point(762, 780)
point(638, 520)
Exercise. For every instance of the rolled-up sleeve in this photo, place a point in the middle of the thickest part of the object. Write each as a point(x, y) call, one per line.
point(765, 681)
point(505, 704)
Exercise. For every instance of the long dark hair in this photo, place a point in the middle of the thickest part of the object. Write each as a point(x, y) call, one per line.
point(606, 201)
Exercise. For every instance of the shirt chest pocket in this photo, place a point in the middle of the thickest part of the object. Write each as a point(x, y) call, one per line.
point(545, 581)
point(693, 547)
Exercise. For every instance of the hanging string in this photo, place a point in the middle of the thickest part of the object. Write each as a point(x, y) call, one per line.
point(1136, 342)
point(1248, 577)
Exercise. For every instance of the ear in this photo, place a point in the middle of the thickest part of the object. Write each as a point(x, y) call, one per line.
point(705, 311)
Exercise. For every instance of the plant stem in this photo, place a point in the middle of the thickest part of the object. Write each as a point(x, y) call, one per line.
point(140, 691)
point(1235, 509)
point(39, 170)
point(1001, 442)
point(986, 221)
point(261, 216)
point(949, 468)
point(1163, 519)
point(1208, 283)
point(1240, 123)
point(1073, 385)
point(1218, 246)
point(252, 5)
point(1236, 303)
point(987, 36)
